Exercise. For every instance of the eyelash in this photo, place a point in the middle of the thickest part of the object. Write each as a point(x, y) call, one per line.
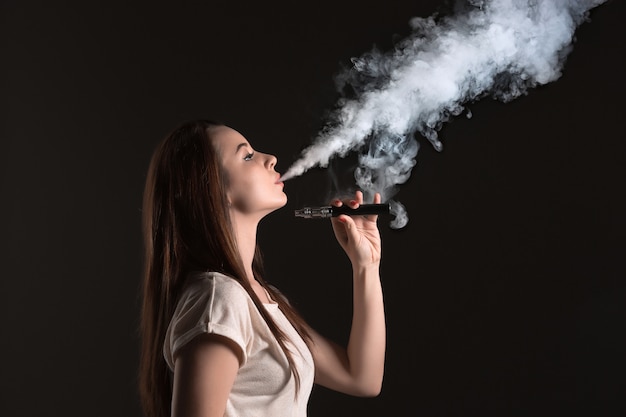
point(249, 156)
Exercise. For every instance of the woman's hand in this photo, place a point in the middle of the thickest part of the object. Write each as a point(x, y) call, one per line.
point(358, 368)
point(358, 235)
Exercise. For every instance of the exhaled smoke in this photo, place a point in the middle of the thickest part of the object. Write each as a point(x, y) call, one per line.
point(497, 48)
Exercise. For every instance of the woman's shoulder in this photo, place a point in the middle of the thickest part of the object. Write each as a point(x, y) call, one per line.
point(209, 303)
point(215, 285)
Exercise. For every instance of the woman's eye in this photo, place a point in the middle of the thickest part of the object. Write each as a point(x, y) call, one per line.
point(249, 156)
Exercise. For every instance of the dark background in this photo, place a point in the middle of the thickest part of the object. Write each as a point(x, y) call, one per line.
point(505, 294)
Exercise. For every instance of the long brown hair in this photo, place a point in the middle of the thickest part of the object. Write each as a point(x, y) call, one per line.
point(187, 227)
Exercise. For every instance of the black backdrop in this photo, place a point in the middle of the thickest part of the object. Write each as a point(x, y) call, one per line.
point(505, 293)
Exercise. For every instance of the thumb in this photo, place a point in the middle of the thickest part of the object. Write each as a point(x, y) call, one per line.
point(350, 227)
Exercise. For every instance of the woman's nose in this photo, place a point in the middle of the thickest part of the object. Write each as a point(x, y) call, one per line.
point(271, 161)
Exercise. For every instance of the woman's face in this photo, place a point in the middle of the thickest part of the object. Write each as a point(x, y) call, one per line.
point(253, 186)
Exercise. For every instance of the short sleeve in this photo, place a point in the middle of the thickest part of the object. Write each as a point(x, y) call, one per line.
point(212, 304)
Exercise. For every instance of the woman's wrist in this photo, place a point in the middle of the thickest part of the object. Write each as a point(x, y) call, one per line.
point(366, 269)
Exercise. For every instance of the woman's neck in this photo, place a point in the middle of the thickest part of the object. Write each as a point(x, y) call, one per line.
point(245, 235)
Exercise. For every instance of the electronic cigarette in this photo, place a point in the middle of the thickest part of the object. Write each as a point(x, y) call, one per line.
point(332, 211)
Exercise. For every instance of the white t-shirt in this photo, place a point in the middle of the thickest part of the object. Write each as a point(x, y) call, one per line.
point(264, 387)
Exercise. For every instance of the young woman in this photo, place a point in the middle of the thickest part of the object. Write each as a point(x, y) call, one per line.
point(217, 340)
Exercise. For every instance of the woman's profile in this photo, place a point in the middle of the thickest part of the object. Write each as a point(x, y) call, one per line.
point(217, 339)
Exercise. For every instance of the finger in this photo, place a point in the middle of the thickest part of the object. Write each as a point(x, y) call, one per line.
point(377, 200)
point(336, 202)
point(349, 227)
point(358, 196)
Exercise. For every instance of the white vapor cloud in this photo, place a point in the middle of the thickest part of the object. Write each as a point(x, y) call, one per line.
point(497, 48)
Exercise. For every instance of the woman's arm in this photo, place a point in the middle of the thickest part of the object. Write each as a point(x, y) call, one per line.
point(357, 369)
point(205, 370)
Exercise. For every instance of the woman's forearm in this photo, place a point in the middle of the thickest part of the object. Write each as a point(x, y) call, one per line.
point(366, 346)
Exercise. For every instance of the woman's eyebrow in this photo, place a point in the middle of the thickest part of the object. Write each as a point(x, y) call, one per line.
point(241, 145)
